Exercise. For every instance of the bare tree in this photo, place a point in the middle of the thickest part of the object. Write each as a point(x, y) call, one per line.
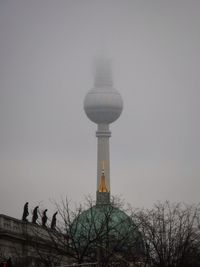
point(91, 233)
point(170, 235)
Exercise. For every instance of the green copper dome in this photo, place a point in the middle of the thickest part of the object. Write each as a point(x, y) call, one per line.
point(106, 223)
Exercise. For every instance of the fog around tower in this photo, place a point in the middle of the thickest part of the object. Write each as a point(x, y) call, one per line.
point(102, 72)
point(48, 145)
point(103, 104)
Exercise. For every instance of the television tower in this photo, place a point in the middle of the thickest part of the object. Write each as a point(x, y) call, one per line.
point(103, 105)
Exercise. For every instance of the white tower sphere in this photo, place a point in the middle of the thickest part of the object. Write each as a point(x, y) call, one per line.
point(103, 104)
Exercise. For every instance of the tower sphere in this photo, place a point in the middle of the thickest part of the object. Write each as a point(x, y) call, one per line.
point(103, 104)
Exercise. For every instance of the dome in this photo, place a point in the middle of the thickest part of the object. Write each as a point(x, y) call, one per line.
point(103, 105)
point(103, 221)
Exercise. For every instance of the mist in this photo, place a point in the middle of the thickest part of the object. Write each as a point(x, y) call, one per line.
point(48, 145)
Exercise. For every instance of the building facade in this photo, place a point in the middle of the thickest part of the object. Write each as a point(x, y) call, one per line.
point(27, 244)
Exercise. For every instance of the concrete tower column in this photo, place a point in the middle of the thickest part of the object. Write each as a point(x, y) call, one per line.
point(103, 164)
point(103, 155)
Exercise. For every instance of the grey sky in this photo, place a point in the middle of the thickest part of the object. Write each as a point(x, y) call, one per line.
point(47, 144)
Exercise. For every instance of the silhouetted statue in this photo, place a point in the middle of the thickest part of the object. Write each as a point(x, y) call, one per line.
point(44, 218)
point(25, 213)
point(53, 221)
point(35, 215)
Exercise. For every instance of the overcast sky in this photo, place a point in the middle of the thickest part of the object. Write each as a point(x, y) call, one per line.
point(48, 145)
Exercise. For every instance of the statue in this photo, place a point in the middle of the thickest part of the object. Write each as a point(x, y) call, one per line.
point(53, 221)
point(25, 213)
point(44, 218)
point(35, 215)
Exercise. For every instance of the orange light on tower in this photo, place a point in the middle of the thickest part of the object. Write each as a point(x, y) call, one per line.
point(102, 186)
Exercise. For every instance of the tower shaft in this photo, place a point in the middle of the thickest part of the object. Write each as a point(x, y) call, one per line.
point(103, 162)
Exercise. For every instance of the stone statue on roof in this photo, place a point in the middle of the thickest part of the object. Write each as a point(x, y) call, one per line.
point(35, 215)
point(25, 213)
point(44, 217)
point(53, 221)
